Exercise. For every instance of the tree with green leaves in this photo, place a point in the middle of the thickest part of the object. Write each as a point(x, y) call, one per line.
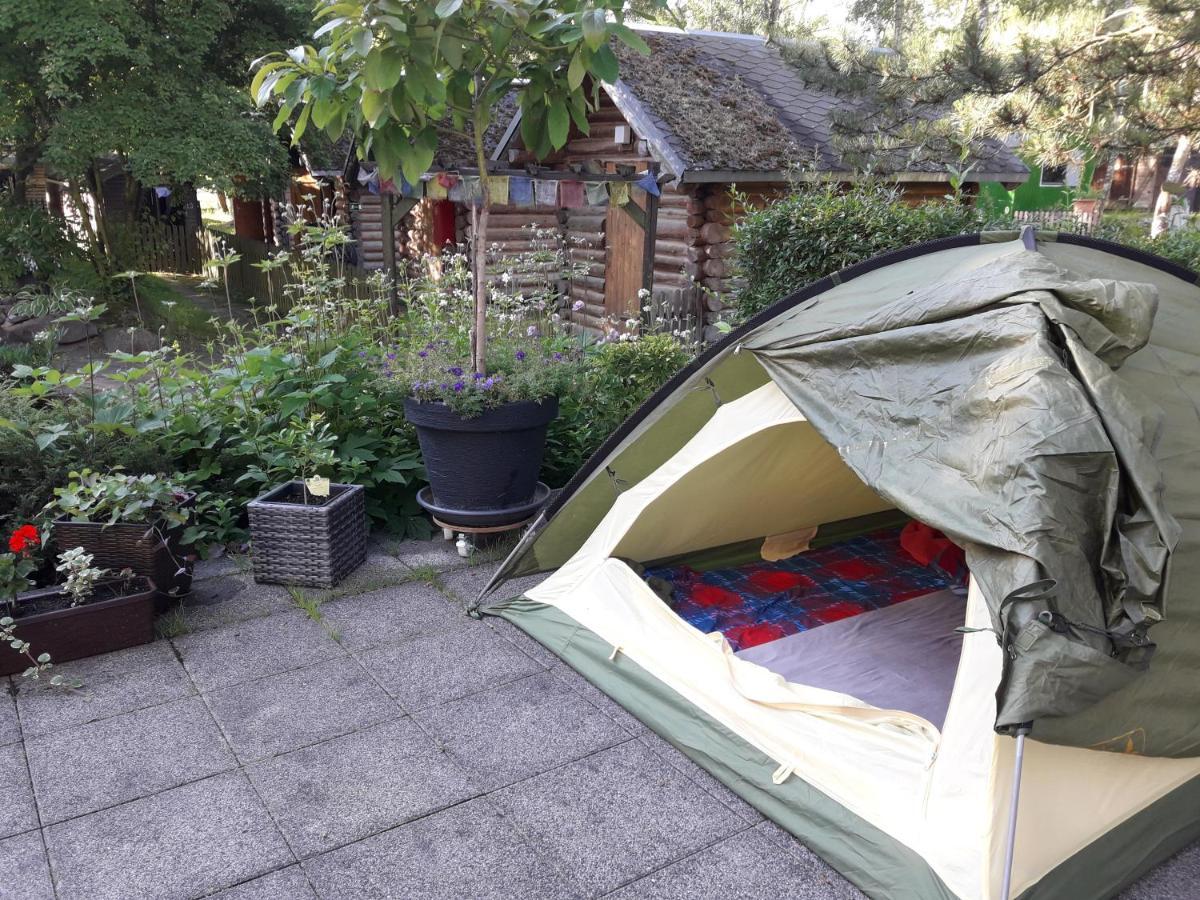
point(400, 73)
point(1072, 77)
point(155, 83)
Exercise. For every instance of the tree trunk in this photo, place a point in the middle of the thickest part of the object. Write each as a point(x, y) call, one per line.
point(1162, 207)
point(85, 220)
point(1110, 169)
point(479, 234)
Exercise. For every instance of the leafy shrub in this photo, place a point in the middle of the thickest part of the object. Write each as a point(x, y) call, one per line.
point(619, 377)
point(818, 230)
point(34, 245)
point(1181, 247)
point(42, 443)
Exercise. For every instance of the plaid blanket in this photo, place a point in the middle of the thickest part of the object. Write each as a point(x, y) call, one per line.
point(761, 601)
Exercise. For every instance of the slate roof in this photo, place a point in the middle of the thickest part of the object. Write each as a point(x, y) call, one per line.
point(716, 102)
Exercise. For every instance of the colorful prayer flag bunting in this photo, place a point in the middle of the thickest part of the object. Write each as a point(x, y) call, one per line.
point(571, 194)
point(498, 189)
point(546, 192)
point(597, 193)
point(520, 191)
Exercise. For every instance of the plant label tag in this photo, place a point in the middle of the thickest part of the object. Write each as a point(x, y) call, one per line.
point(317, 486)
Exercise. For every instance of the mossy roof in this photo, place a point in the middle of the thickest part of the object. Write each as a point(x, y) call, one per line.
point(731, 102)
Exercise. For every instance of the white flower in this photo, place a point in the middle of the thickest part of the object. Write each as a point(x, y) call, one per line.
point(577, 306)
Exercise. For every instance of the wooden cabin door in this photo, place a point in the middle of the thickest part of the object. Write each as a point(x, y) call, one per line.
point(626, 243)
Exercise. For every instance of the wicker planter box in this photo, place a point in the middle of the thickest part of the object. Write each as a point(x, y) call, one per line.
point(124, 545)
point(82, 631)
point(311, 545)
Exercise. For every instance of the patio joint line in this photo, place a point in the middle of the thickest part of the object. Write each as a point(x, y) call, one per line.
point(105, 718)
point(241, 769)
point(680, 859)
point(243, 681)
point(37, 809)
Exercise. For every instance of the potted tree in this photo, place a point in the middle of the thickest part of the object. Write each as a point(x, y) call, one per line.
point(399, 81)
point(90, 612)
point(308, 530)
point(124, 521)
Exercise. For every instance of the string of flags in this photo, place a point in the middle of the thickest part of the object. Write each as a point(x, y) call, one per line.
point(515, 190)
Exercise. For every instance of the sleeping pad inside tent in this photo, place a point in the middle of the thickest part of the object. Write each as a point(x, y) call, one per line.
point(927, 503)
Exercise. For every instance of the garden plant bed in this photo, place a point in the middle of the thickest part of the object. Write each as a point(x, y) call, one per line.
point(122, 616)
point(148, 550)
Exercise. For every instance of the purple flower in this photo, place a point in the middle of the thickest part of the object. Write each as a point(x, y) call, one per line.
point(532, 331)
point(458, 386)
point(477, 375)
point(577, 306)
point(520, 356)
point(456, 371)
point(362, 354)
point(391, 356)
point(488, 385)
point(422, 353)
point(558, 357)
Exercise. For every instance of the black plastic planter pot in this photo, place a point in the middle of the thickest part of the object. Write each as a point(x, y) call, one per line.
point(489, 462)
point(81, 631)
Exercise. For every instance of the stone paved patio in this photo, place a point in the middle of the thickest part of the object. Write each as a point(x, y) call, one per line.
point(372, 741)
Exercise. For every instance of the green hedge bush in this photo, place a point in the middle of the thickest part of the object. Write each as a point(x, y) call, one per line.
point(821, 229)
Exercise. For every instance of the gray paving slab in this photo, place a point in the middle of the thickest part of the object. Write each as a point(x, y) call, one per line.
point(466, 583)
point(254, 648)
point(89, 767)
point(749, 866)
point(230, 598)
point(465, 851)
point(598, 698)
point(1176, 879)
point(358, 785)
point(225, 564)
point(520, 729)
point(279, 713)
point(24, 869)
point(523, 642)
point(17, 812)
point(441, 666)
point(391, 614)
point(186, 842)
point(436, 553)
point(109, 685)
point(283, 884)
point(694, 773)
point(615, 816)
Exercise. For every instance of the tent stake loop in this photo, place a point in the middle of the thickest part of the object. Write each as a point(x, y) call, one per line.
point(1005, 890)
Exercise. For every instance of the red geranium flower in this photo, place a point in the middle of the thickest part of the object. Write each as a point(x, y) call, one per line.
point(24, 539)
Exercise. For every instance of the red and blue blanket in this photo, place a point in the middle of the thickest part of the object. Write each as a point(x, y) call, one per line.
point(764, 601)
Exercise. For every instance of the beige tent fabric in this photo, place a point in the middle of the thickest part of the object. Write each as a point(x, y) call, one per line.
point(942, 794)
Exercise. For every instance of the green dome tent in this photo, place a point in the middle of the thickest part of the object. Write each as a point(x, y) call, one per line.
point(1035, 401)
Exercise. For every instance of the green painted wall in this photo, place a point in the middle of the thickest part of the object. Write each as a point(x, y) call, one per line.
point(1030, 195)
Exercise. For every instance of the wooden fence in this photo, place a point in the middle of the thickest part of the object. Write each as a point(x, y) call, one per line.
point(160, 246)
point(1059, 220)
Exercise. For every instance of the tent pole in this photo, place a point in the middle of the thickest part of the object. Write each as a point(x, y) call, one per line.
point(1022, 730)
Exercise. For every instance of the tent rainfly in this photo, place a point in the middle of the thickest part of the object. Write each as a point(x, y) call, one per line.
point(736, 566)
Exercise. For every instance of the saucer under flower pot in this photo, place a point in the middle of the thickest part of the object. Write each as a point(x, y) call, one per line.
point(299, 539)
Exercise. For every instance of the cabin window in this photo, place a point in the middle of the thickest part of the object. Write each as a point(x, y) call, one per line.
point(1054, 176)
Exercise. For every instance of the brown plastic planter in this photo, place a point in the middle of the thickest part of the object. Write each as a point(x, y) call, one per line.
point(133, 546)
point(82, 631)
point(313, 544)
